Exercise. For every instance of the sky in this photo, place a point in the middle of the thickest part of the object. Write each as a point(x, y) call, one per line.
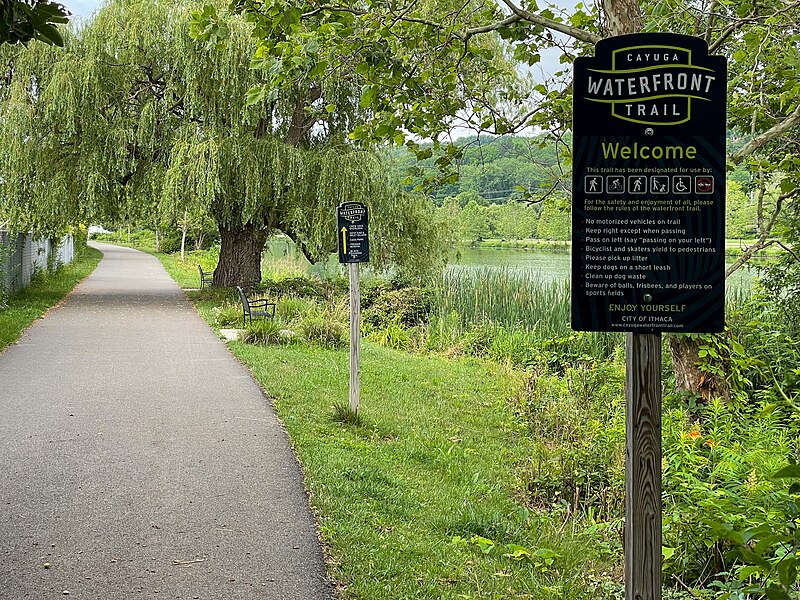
point(80, 8)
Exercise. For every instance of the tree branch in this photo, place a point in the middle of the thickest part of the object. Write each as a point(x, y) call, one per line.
point(578, 34)
point(763, 241)
point(770, 134)
point(732, 27)
point(518, 15)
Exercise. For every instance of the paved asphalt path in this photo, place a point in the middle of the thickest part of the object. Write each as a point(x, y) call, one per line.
point(140, 460)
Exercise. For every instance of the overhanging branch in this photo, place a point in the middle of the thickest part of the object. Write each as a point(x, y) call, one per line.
point(519, 14)
point(578, 34)
point(770, 134)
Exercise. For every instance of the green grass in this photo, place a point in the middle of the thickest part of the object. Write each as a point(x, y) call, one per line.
point(419, 501)
point(505, 297)
point(424, 497)
point(511, 313)
point(185, 272)
point(29, 304)
point(527, 244)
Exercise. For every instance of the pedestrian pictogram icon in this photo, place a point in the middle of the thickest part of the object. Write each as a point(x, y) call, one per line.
point(637, 184)
point(593, 184)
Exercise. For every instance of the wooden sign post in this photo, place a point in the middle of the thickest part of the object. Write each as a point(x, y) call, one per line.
point(643, 466)
point(648, 239)
point(355, 338)
point(352, 231)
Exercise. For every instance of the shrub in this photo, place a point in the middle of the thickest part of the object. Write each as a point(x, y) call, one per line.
point(301, 287)
point(392, 335)
point(324, 333)
point(264, 331)
point(407, 306)
point(227, 315)
point(577, 420)
point(718, 465)
point(291, 308)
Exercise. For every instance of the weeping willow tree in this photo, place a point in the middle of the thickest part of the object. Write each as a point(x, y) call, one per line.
point(134, 119)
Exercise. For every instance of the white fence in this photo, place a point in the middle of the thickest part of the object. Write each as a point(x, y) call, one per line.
point(23, 255)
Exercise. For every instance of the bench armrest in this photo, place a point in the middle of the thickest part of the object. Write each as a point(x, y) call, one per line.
point(260, 302)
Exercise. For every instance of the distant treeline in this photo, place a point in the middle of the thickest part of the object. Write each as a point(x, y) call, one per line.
point(492, 169)
point(517, 187)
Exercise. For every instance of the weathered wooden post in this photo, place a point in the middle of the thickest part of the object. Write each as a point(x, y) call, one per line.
point(352, 231)
point(648, 236)
point(355, 338)
point(643, 466)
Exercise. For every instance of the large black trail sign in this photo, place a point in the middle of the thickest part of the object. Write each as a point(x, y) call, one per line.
point(649, 186)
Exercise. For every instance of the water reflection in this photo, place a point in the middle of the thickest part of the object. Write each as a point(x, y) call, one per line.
point(549, 266)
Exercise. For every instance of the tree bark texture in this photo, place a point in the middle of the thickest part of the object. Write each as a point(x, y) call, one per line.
point(684, 351)
point(239, 256)
point(622, 16)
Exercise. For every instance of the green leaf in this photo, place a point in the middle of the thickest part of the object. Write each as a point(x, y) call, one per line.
point(789, 471)
point(788, 186)
point(256, 94)
point(775, 592)
point(486, 545)
point(318, 69)
point(748, 571)
point(516, 551)
point(368, 96)
point(291, 17)
point(49, 34)
point(667, 553)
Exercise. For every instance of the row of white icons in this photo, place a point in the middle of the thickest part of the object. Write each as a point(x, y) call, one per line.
point(659, 184)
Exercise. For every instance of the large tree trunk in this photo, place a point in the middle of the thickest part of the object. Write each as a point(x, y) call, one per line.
point(239, 256)
point(684, 350)
point(622, 17)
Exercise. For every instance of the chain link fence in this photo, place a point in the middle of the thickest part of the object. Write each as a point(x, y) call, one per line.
point(23, 255)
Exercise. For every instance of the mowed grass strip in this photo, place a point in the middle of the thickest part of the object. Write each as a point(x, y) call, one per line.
point(421, 500)
point(418, 501)
point(47, 290)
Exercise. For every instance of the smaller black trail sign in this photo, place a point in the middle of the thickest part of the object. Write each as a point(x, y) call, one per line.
point(648, 186)
point(353, 233)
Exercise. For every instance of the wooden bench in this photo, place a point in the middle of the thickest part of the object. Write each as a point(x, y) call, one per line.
point(206, 278)
point(255, 308)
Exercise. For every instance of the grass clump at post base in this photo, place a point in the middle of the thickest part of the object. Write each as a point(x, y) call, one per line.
point(45, 291)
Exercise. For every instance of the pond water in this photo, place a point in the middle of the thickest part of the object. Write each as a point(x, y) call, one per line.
point(549, 266)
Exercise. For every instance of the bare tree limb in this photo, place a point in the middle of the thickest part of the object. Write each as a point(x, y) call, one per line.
point(770, 134)
point(763, 240)
point(711, 17)
point(578, 34)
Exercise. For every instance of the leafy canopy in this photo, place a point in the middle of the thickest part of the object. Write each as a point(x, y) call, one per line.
point(429, 66)
point(135, 118)
point(24, 20)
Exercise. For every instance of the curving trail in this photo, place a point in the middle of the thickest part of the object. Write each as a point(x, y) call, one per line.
point(140, 460)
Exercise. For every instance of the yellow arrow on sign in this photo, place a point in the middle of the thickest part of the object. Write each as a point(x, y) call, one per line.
point(344, 240)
